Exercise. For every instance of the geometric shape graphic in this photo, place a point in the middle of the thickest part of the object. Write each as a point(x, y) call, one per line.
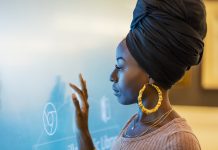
point(105, 109)
point(50, 119)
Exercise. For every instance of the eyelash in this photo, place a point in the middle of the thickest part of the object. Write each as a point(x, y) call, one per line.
point(117, 67)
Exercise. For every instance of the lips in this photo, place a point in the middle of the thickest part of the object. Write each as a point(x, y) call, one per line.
point(116, 91)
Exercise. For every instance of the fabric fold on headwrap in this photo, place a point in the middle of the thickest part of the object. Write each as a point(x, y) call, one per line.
point(164, 40)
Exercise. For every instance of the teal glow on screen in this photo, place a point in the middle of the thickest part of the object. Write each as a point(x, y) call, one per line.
point(44, 45)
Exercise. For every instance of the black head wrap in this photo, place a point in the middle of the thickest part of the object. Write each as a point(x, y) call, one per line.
point(166, 37)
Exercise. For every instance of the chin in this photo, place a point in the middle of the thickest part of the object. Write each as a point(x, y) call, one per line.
point(125, 101)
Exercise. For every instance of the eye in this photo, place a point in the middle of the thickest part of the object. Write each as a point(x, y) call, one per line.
point(117, 67)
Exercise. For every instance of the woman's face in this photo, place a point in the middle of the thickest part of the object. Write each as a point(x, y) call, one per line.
point(127, 77)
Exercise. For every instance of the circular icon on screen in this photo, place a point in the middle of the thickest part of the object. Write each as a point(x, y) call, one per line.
point(50, 119)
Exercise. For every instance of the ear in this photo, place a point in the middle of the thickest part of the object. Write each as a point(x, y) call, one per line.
point(150, 81)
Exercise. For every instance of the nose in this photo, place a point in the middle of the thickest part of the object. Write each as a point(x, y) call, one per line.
point(113, 76)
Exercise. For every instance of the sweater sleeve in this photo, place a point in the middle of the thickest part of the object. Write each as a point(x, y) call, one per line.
point(182, 141)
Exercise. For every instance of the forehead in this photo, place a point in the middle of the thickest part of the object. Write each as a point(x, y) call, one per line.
point(123, 52)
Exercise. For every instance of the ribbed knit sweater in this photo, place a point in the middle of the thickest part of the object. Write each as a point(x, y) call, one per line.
point(175, 135)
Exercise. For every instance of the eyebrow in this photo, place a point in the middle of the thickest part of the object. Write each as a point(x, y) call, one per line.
point(120, 58)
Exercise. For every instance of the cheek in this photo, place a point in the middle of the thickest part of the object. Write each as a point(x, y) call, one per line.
point(130, 84)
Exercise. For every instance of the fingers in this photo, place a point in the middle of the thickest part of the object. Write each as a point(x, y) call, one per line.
point(75, 88)
point(76, 103)
point(83, 84)
point(85, 93)
point(82, 93)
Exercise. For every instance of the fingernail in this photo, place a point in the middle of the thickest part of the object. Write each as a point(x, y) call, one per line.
point(70, 84)
point(74, 96)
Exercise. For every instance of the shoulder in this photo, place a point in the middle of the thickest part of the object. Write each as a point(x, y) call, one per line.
point(181, 137)
point(182, 140)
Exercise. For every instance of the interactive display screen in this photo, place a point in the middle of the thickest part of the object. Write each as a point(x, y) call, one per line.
point(44, 45)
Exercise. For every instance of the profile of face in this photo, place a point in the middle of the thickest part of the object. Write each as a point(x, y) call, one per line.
point(127, 77)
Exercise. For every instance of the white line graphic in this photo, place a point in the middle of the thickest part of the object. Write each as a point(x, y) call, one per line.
point(50, 119)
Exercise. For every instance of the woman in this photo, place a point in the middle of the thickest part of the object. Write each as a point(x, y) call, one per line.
point(165, 40)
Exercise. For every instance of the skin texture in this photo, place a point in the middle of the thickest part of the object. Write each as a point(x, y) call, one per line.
point(127, 79)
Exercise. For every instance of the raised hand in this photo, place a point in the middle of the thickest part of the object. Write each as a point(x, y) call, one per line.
point(81, 116)
point(82, 111)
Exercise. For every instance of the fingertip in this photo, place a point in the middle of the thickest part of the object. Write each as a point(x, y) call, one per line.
point(74, 99)
point(74, 96)
point(72, 85)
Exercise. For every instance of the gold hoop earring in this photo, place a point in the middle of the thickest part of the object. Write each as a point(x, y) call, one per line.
point(160, 98)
